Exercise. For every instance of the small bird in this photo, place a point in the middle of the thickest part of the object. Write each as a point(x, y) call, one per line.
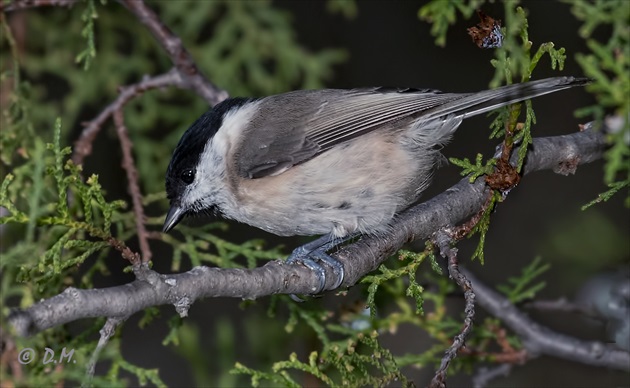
point(337, 163)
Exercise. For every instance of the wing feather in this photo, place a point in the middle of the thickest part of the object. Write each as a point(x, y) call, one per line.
point(294, 127)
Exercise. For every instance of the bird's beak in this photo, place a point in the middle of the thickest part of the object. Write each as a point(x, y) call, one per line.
point(175, 214)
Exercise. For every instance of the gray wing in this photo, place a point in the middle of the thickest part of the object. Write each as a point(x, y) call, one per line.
point(294, 127)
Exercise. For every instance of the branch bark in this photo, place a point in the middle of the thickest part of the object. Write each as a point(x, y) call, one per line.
point(561, 154)
point(180, 57)
point(20, 5)
point(134, 187)
point(539, 340)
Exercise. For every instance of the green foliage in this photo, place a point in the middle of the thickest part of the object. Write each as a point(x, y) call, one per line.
point(62, 232)
point(515, 59)
point(144, 375)
point(524, 136)
point(200, 241)
point(608, 64)
point(89, 15)
point(357, 360)
point(483, 226)
point(149, 314)
point(348, 8)
point(65, 221)
point(408, 272)
point(350, 353)
point(17, 127)
point(525, 286)
point(474, 170)
point(606, 195)
point(252, 49)
point(70, 370)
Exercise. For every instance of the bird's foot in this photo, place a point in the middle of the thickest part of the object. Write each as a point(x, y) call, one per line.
point(315, 253)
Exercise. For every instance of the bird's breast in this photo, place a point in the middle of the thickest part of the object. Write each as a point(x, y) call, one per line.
point(355, 187)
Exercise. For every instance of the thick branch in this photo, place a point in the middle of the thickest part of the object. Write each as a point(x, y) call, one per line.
point(561, 154)
point(539, 340)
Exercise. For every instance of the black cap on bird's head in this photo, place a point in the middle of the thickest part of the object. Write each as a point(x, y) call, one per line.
point(182, 168)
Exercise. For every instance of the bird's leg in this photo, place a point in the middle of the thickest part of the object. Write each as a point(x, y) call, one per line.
point(314, 253)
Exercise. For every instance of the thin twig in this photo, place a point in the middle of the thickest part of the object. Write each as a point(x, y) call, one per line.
point(83, 146)
point(507, 355)
point(443, 241)
point(562, 305)
point(125, 251)
point(502, 339)
point(505, 175)
point(132, 179)
point(108, 330)
point(485, 375)
point(513, 357)
point(460, 231)
point(180, 57)
point(19, 5)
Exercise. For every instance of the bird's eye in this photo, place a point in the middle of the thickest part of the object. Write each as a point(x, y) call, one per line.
point(188, 176)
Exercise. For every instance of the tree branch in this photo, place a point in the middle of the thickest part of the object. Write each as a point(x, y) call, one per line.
point(561, 154)
point(485, 375)
point(443, 240)
point(134, 188)
point(19, 5)
point(108, 330)
point(539, 340)
point(180, 57)
point(563, 305)
point(83, 146)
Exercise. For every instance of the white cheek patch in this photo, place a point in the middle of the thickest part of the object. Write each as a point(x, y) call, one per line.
point(234, 122)
point(209, 187)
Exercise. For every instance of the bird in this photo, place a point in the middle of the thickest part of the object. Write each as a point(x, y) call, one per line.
point(339, 163)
